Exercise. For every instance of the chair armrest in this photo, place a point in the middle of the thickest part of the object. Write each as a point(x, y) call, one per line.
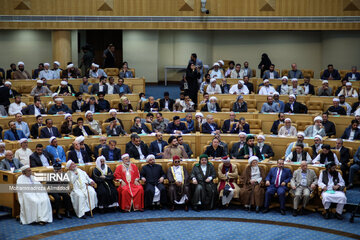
point(116, 183)
point(216, 180)
point(166, 181)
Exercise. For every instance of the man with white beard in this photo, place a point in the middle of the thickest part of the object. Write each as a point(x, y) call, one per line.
point(316, 129)
point(34, 206)
point(82, 194)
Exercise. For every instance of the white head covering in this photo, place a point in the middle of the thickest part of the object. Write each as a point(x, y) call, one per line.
point(213, 98)
point(63, 83)
point(80, 139)
point(59, 99)
point(112, 110)
point(87, 113)
point(54, 95)
point(212, 80)
point(294, 80)
point(69, 66)
point(285, 77)
point(124, 156)
point(23, 140)
point(149, 157)
point(199, 114)
point(95, 65)
point(57, 63)
point(40, 81)
point(51, 139)
point(2, 144)
point(319, 137)
point(221, 61)
point(241, 81)
point(336, 100)
point(23, 168)
point(98, 164)
point(21, 63)
point(67, 115)
point(47, 64)
point(301, 134)
point(68, 163)
point(242, 133)
point(225, 160)
point(216, 64)
point(325, 81)
point(292, 95)
point(318, 118)
point(276, 93)
point(348, 84)
point(251, 159)
point(7, 83)
point(266, 80)
point(287, 119)
point(261, 136)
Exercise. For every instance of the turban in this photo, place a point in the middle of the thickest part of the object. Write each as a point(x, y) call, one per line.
point(294, 79)
point(336, 100)
point(23, 168)
point(261, 136)
point(7, 83)
point(54, 95)
point(47, 64)
point(221, 61)
point(176, 157)
point(225, 159)
point(63, 83)
point(112, 110)
point(251, 159)
point(276, 93)
point(70, 66)
point(124, 156)
point(67, 115)
point(39, 81)
point(23, 140)
point(325, 81)
point(287, 119)
point(300, 134)
point(319, 137)
point(285, 77)
point(216, 64)
point(213, 98)
point(292, 95)
point(241, 81)
point(2, 144)
point(68, 163)
point(149, 157)
point(212, 80)
point(79, 139)
point(348, 84)
point(203, 156)
point(20, 63)
point(57, 63)
point(51, 139)
point(318, 118)
point(88, 112)
point(199, 114)
point(242, 134)
point(266, 80)
point(59, 99)
point(95, 65)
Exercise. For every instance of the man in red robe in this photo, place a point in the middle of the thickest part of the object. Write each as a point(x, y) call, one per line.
point(131, 193)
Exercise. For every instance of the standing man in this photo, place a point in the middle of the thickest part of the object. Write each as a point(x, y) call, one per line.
point(199, 64)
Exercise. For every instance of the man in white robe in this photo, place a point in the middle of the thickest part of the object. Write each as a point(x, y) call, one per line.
point(332, 185)
point(34, 206)
point(83, 199)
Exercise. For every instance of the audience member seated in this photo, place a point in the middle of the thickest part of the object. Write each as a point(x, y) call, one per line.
point(325, 90)
point(318, 142)
point(186, 105)
point(265, 149)
point(64, 89)
point(239, 89)
point(11, 70)
point(16, 106)
point(316, 129)
point(91, 104)
point(6, 93)
point(225, 87)
point(295, 89)
point(266, 89)
point(343, 85)
point(199, 119)
point(24, 152)
point(59, 107)
point(166, 103)
point(56, 151)
point(308, 88)
point(125, 105)
point(240, 126)
point(96, 72)
point(348, 91)
point(354, 169)
point(249, 149)
point(56, 70)
point(46, 72)
point(71, 71)
point(270, 106)
point(223, 144)
point(300, 139)
point(275, 126)
point(40, 157)
point(94, 125)
point(247, 70)
point(83, 145)
point(332, 185)
point(326, 156)
point(177, 127)
point(111, 152)
point(276, 182)
point(330, 73)
point(343, 103)
point(329, 126)
point(21, 125)
point(230, 69)
point(151, 105)
point(293, 106)
point(226, 128)
point(113, 129)
point(13, 133)
point(160, 124)
point(138, 149)
point(101, 146)
point(177, 102)
point(205, 83)
point(276, 98)
point(190, 122)
point(67, 126)
point(34, 131)
point(344, 158)
point(271, 73)
point(294, 72)
point(49, 131)
point(235, 150)
point(113, 113)
point(240, 105)
point(78, 104)
point(157, 147)
point(248, 84)
point(215, 151)
point(139, 128)
point(210, 127)
point(283, 89)
point(9, 163)
point(216, 72)
point(77, 155)
point(111, 86)
point(213, 88)
point(353, 75)
point(186, 146)
point(336, 109)
point(40, 89)
point(287, 130)
point(298, 155)
point(352, 132)
point(81, 129)
point(104, 105)
point(99, 87)
point(21, 73)
point(237, 72)
point(84, 86)
point(212, 106)
point(125, 73)
point(34, 109)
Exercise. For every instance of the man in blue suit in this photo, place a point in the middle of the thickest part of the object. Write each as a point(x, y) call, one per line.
point(13, 134)
point(157, 147)
point(276, 182)
point(227, 123)
point(353, 75)
point(271, 73)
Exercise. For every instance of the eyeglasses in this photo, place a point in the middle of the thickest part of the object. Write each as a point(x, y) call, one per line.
point(176, 161)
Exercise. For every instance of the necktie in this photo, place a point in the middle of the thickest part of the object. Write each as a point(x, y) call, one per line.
point(51, 132)
point(277, 179)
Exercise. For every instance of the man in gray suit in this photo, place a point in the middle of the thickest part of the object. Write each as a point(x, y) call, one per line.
point(303, 183)
point(9, 162)
point(100, 87)
point(294, 72)
point(247, 70)
point(271, 73)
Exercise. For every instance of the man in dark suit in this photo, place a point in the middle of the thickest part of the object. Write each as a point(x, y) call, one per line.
point(210, 126)
point(109, 55)
point(139, 127)
point(226, 128)
point(275, 126)
point(236, 148)
point(91, 104)
point(41, 157)
point(34, 131)
point(102, 146)
point(249, 85)
point(355, 106)
point(49, 131)
point(77, 105)
point(241, 126)
point(157, 147)
point(265, 149)
point(330, 73)
point(329, 126)
point(10, 162)
point(80, 129)
point(186, 146)
point(166, 103)
point(271, 73)
point(121, 88)
point(344, 158)
point(294, 107)
point(353, 75)
point(111, 153)
point(308, 88)
point(13, 134)
point(139, 150)
point(113, 129)
point(34, 109)
point(78, 155)
point(276, 182)
point(352, 132)
point(99, 87)
point(12, 69)
point(249, 149)
point(151, 105)
point(177, 127)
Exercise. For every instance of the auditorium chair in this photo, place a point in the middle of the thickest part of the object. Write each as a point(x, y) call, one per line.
point(302, 125)
point(276, 70)
point(285, 72)
point(343, 73)
point(314, 107)
point(53, 88)
point(253, 73)
point(308, 73)
point(255, 126)
point(321, 73)
point(103, 127)
point(149, 125)
point(89, 89)
point(226, 105)
point(26, 88)
point(111, 72)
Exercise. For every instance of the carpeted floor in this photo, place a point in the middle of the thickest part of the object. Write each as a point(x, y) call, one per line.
point(160, 224)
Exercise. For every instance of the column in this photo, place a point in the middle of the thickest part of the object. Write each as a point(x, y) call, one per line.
point(61, 47)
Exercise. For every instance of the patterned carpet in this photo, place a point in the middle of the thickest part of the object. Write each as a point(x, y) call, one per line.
point(157, 228)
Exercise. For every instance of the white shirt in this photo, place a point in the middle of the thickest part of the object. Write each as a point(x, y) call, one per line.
point(271, 75)
point(306, 88)
point(110, 88)
point(56, 73)
point(235, 89)
point(317, 159)
point(101, 88)
point(15, 108)
point(79, 156)
point(83, 131)
point(44, 161)
point(47, 74)
point(212, 90)
point(178, 173)
point(37, 111)
point(266, 90)
point(216, 74)
point(352, 134)
point(279, 171)
point(23, 155)
point(140, 152)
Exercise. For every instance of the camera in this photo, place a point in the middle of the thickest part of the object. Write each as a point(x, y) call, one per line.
point(203, 7)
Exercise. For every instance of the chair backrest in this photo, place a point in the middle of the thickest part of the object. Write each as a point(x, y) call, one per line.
point(251, 103)
point(254, 123)
point(114, 103)
point(103, 126)
point(253, 72)
point(284, 72)
point(112, 71)
point(343, 73)
point(301, 125)
point(308, 73)
point(314, 105)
